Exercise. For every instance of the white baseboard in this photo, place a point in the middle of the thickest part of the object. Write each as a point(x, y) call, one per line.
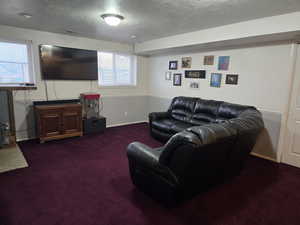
point(123, 124)
point(264, 157)
point(24, 139)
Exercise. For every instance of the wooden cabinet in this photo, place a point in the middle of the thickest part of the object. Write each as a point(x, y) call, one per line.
point(58, 121)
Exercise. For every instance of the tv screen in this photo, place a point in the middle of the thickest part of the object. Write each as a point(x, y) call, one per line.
point(60, 63)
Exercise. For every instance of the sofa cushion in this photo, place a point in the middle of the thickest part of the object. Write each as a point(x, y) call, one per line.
point(207, 106)
point(205, 111)
point(182, 108)
point(164, 124)
point(213, 132)
point(202, 119)
point(248, 120)
point(170, 125)
point(229, 110)
point(179, 126)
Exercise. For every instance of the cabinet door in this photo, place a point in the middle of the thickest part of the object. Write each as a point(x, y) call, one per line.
point(72, 120)
point(51, 123)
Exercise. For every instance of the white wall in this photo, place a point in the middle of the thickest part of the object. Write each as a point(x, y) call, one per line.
point(263, 77)
point(70, 89)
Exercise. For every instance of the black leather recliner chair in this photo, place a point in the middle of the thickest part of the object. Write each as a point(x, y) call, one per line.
point(210, 140)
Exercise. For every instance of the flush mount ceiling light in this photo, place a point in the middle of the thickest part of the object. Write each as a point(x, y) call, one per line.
point(112, 19)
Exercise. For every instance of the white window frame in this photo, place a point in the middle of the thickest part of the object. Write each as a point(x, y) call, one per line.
point(133, 69)
point(31, 73)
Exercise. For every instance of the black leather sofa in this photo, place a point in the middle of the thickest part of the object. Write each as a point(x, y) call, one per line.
point(185, 112)
point(207, 141)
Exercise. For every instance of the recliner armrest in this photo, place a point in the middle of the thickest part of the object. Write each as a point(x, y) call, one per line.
point(143, 154)
point(158, 115)
point(149, 158)
point(180, 139)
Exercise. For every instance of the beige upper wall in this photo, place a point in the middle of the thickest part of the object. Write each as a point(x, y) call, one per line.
point(264, 77)
point(72, 89)
point(273, 28)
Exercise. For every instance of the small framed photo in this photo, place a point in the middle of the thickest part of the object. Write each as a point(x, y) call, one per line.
point(168, 75)
point(186, 62)
point(215, 80)
point(177, 79)
point(209, 60)
point(223, 62)
point(232, 79)
point(173, 65)
point(194, 85)
point(200, 74)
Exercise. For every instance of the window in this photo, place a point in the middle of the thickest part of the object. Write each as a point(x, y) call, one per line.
point(116, 69)
point(15, 63)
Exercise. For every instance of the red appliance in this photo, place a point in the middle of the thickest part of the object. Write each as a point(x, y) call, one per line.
point(91, 105)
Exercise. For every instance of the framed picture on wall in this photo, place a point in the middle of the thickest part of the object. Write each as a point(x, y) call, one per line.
point(208, 60)
point(215, 80)
point(177, 79)
point(168, 75)
point(232, 79)
point(200, 74)
point(223, 62)
point(173, 65)
point(194, 85)
point(186, 62)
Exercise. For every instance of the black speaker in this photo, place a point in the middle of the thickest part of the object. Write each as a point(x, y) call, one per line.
point(94, 125)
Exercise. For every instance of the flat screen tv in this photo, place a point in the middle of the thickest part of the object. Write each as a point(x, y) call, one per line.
point(60, 63)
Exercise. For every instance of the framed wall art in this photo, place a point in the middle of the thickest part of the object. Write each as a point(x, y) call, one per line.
point(177, 79)
point(215, 80)
point(200, 74)
point(208, 60)
point(232, 79)
point(173, 65)
point(223, 62)
point(194, 85)
point(168, 75)
point(186, 62)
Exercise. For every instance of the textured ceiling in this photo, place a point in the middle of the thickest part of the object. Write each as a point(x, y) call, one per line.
point(147, 19)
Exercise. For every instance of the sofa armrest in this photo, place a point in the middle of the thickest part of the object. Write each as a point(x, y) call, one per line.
point(148, 158)
point(182, 138)
point(143, 154)
point(158, 115)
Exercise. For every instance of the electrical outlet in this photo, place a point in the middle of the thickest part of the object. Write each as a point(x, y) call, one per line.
point(125, 113)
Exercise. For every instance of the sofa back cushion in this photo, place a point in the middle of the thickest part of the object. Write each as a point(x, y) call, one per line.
point(200, 111)
point(229, 110)
point(205, 111)
point(248, 121)
point(182, 108)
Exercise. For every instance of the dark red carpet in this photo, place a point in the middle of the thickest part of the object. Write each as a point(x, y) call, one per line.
point(85, 181)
